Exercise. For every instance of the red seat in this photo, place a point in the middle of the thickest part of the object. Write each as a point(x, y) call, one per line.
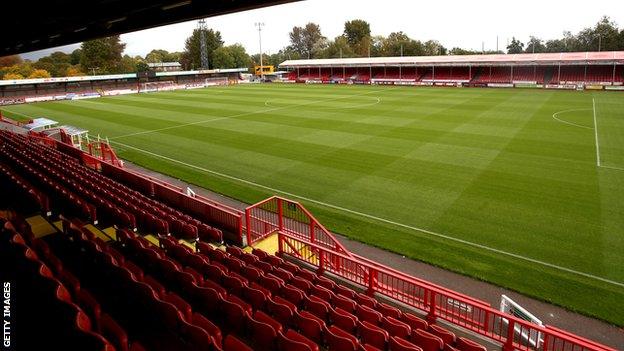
point(208, 326)
point(322, 292)
point(273, 284)
point(396, 328)
point(292, 294)
point(317, 307)
point(262, 333)
point(400, 344)
point(292, 268)
point(212, 272)
point(195, 337)
point(307, 275)
point(234, 251)
point(182, 305)
point(293, 341)
point(464, 344)
point(365, 313)
point(285, 275)
point(282, 310)
point(414, 322)
point(325, 282)
point(233, 284)
point(346, 292)
point(426, 340)
point(373, 335)
point(251, 273)
point(343, 320)
point(114, 333)
point(235, 312)
point(446, 336)
point(344, 302)
point(231, 343)
point(310, 326)
point(366, 300)
point(302, 284)
point(340, 340)
point(389, 311)
point(256, 298)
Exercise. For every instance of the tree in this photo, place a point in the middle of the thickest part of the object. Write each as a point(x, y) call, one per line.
point(10, 60)
point(358, 36)
point(39, 73)
point(102, 55)
point(535, 45)
point(141, 66)
point(338, 48)
point(233, 56)
point(191, 58)
point(12, 76)
point(74, 71)
point(307, 41)
point(74, 57)
point(433, 48)
point(398, 43)
point(356, 30)
point(56, 63)
point(159, 55)
point(515, 47)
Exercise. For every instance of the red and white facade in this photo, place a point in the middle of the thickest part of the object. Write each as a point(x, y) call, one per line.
point(575, 70)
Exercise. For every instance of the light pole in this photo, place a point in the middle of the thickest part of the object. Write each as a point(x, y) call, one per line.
point(260, 25)
point(599, 42)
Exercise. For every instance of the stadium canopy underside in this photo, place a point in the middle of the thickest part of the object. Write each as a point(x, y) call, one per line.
point(549, 59)
point(36, 25)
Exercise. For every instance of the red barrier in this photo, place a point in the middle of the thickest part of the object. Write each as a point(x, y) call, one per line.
point(443, 304)
point(276, 213)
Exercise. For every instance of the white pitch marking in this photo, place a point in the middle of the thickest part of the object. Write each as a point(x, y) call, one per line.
point(571, 123)
point(612, 167)
point(596, 133)
point(379, 219)
point(242, 114)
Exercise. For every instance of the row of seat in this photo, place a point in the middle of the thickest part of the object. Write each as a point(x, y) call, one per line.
point(128, 204)
point(52, 313)
point(300, 299)
point(140, 304)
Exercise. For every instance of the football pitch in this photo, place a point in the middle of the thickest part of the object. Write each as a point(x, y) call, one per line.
point(522, 188)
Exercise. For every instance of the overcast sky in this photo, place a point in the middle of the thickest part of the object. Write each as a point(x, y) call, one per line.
point(452, 22)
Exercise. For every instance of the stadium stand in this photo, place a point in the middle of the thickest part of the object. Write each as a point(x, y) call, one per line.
point(560, 70)
point(126, 290)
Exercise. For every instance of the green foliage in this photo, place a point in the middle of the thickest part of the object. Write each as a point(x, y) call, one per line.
point(191, 58)
point(56, 63)
point(103, 55)
point(159, 55)
point(337, 48)
point(535, 45)
point(233, 56)
point(356, 31)
point(515, 47)
point(307, 42)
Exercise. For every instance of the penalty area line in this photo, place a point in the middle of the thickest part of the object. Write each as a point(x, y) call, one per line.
point(375, 218)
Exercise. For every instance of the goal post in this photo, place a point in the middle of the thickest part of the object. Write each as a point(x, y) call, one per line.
point(531, 337)
point(147, 87)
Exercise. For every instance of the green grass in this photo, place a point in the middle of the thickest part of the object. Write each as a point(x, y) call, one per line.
point(490, 167)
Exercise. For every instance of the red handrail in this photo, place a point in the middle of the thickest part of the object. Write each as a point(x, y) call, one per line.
point(481, 319)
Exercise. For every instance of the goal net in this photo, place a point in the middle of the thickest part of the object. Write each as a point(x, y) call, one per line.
point(157, 86)
point(216, 81)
